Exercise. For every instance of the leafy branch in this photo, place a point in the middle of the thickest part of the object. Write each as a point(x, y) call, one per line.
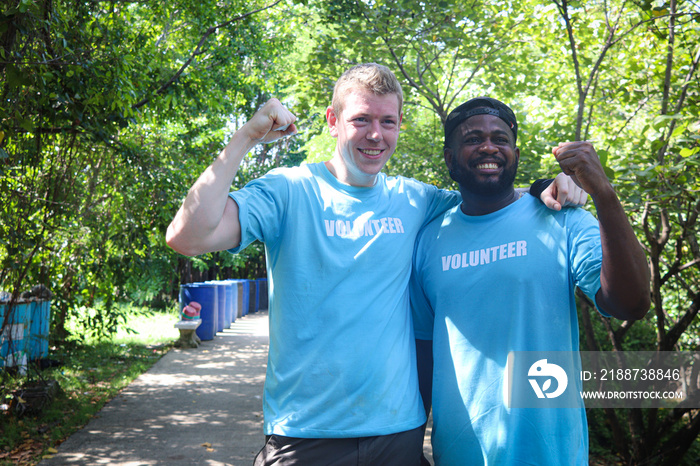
point(198, 51)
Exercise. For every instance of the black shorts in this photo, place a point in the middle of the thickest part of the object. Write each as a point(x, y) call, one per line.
point(402, 449)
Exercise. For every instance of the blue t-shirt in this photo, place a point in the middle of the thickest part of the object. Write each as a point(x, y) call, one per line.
point(341, 359)
point(482, 287)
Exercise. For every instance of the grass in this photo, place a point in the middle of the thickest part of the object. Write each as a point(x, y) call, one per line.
point(89, 376)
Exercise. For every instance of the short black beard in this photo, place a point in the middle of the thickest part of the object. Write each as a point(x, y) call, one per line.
point(468, 182)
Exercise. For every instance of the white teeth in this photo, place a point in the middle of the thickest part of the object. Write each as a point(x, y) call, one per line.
point(371, 151)
point(487, 166)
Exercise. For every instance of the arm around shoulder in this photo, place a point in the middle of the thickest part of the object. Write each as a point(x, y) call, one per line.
point(558, 192)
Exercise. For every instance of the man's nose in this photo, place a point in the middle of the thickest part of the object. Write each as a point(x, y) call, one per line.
point(488, 147)
point(375, 131)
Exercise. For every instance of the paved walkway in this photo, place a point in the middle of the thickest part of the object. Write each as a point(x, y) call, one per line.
point(193, 407)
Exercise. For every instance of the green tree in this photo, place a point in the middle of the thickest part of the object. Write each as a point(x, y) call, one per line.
point(642, 110)
point(109, 112)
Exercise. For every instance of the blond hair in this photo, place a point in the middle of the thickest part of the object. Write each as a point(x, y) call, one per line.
point(372, 77)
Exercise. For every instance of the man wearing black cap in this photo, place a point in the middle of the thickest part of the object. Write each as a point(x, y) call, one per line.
point(494, 277)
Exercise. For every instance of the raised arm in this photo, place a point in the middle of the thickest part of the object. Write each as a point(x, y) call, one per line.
point(624, 277)
point(208, 218)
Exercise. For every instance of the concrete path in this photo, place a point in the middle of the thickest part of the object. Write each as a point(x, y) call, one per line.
point(193, 407)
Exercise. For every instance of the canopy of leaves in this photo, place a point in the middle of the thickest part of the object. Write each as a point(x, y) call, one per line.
point(111, 109)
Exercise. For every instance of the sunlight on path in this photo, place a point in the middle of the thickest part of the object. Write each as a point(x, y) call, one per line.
point(252, 324)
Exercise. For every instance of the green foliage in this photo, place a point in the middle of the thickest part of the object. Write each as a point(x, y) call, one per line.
point(110, 111)
point(90, 374)
point(641, 109)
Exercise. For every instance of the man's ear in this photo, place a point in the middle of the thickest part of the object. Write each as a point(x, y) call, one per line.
point(517, 154)
point(332, 121)
point(447, 154)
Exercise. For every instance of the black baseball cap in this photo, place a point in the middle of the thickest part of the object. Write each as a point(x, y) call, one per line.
point(481, 106)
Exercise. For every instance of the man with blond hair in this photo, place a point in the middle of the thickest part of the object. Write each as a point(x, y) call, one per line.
point(341, 386)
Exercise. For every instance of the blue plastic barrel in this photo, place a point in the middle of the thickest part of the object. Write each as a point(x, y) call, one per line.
point(238, 286)
point(233, 303)
point(243, 296)
point(15, 338)
point(206, 294)
point(263, 297)
point(222, 321)
point(40, 318)
point(230, 302)
point(253, 302)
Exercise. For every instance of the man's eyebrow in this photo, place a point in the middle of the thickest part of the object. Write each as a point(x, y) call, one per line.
point(368, 115)
point(470, 132)
point(480, 131)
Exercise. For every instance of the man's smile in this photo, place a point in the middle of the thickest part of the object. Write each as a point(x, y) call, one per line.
point(371, 152)
point(488, 167)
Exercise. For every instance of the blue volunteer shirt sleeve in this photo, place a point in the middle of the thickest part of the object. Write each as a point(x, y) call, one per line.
point(585, 253)
point(261, 209)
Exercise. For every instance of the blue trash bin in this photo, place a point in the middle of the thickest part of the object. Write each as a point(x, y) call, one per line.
point(40, 320)
point(206, 294)
point(230, 289)
point(241, 301)
point(252, 303)
point(234, 304)
point(263, 297)
point(243, 296)
point(223, 318)
point(15, 339)
point(231, 295)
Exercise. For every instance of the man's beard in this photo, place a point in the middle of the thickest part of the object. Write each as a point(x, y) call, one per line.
point(469, 181)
